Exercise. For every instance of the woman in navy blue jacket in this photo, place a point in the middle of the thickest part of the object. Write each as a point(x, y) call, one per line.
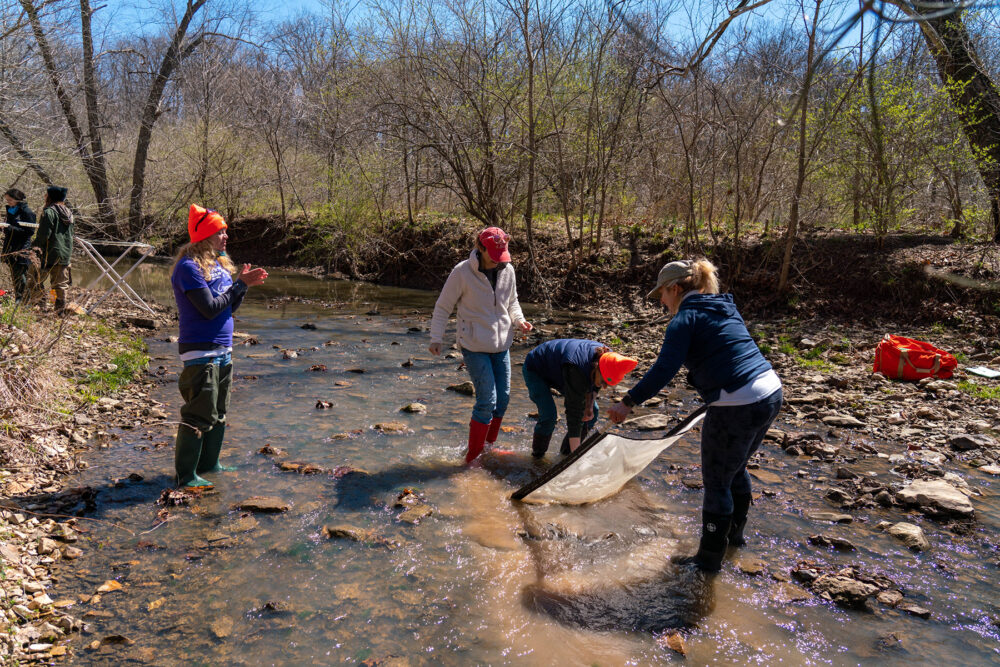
point(709, 338)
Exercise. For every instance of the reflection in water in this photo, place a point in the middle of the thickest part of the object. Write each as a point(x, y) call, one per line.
point(481, 580)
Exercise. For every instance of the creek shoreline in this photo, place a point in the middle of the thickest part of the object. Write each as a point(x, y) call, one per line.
point(94, 399)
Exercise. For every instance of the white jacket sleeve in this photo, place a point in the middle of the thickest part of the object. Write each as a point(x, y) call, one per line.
point(513, 307)
point(445, 305)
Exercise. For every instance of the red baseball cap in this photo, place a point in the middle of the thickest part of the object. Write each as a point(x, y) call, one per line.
point(495, 241)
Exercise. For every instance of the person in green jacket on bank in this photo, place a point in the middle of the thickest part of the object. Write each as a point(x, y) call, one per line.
point(53, 245)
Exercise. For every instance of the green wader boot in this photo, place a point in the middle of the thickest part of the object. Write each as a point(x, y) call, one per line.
point(211, 445)
point(187, 451)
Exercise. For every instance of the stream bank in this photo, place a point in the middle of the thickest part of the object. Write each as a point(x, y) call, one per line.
point(62, 384)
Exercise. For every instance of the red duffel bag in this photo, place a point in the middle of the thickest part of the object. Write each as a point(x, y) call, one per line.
point(903, 358)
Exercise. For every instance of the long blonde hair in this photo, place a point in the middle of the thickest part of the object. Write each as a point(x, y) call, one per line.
point(704, 277)
point(205, 256)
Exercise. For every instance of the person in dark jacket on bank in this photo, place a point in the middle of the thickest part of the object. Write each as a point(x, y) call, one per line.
point(17, 240)
point(206, 295)
point(53, 245)
point(708, 337)
point(577, 369)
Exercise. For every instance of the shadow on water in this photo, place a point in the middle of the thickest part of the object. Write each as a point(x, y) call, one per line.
point(678, 599)
point(357, 491)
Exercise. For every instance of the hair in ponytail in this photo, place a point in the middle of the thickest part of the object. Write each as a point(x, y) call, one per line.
point(704, 277)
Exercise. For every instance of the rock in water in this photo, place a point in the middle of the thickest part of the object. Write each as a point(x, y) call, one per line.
point(843, 421)
point(263, 504)
point(649, 423)
point(967, 441)
point(345, 531)
point(835, 517)
point(844, 590)
point(416, 408)
point(466, 388)
point(222, 627)
point(910, 534)
point(936, 497)
point(391, 428)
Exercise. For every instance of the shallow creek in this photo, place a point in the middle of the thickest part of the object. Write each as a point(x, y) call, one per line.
point(481, 580)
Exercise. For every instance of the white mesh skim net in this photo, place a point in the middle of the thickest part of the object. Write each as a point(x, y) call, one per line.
point(602, 469)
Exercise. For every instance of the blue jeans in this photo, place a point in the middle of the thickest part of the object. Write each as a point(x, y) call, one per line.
point(490, 373)
point(541, 395)
point(729, 437)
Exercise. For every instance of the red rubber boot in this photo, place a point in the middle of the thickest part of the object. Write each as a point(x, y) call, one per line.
point(477, 438)
point(491, 435)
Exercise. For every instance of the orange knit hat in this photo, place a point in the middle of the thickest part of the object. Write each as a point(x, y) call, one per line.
point(614, 367)
point(203, 222)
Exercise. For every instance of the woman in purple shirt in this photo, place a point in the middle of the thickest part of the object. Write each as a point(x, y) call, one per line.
point(206, 296)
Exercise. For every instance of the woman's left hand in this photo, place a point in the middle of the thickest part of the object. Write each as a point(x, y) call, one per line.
point(526, 327)
point(252, 277)
point(618, 412)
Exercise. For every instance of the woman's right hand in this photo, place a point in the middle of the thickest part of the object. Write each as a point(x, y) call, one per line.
point(435, 349)
point(252, 277)
point(618, 412)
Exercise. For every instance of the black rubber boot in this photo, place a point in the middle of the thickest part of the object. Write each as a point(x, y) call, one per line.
point(741, 507)
point(540, 444)
point(712, 548)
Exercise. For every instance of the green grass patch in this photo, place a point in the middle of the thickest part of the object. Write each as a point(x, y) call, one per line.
point(128, 361)
point(14, 314)
point(786, 346)
point(818, 364)
point(978, 390)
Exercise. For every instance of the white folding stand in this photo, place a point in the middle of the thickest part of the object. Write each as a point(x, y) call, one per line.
point(117, 281)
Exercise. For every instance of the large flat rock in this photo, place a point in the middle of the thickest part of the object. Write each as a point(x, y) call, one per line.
point(936, 497)
point(264, 504)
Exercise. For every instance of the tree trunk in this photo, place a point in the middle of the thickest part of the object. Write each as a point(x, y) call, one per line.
point(800, 176)
point(99, 179)
point(972, 90)
point(176, 52)
point(96, 173)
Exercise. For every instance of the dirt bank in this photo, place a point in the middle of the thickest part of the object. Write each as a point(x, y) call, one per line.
point(919, 279)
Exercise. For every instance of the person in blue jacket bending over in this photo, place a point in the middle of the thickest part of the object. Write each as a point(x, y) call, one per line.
point(577, 369)
point(708, 337)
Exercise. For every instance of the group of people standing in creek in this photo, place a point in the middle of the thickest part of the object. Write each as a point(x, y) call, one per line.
point(36, 251)
point(706, 335)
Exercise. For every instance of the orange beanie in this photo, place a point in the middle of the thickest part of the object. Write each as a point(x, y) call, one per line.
point(614, 366)
point(203, 222)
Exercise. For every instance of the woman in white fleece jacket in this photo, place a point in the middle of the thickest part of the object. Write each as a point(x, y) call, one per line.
point(485, 291)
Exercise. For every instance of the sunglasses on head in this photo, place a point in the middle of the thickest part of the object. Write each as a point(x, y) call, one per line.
point(208, 212)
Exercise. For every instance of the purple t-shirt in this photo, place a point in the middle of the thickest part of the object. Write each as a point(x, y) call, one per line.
point(194, 328)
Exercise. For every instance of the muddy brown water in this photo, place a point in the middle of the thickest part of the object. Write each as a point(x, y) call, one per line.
point(482, 580)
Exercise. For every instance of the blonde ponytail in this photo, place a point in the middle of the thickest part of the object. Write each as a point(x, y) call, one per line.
point(704, 277)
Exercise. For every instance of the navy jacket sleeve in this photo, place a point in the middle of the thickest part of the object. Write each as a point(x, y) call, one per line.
point(673, 352)
point(211, 306)
point(576, 387)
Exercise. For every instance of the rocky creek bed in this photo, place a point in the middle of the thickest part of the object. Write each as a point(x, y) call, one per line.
point(862, 482)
